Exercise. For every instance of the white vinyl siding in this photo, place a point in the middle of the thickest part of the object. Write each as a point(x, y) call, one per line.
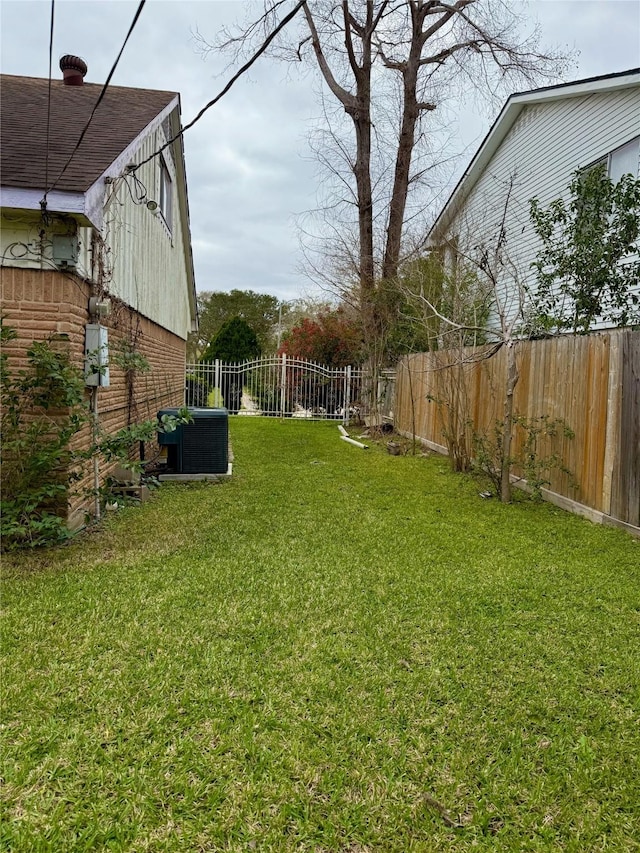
point(544, 148)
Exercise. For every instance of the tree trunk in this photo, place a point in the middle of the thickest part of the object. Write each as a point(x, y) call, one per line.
point(362, 123)
point(410, 113)
point(358, 108)
point(512, 379)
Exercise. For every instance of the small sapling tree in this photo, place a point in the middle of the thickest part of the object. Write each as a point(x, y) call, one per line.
point(483, 301)
point(588, 269)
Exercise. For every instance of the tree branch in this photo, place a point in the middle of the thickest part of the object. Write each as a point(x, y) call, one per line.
point(347, 100)
point(348, 23)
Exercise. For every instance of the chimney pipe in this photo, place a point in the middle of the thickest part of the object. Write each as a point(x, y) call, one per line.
point(73, 70)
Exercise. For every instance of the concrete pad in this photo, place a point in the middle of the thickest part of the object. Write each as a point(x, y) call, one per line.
point(190, 478)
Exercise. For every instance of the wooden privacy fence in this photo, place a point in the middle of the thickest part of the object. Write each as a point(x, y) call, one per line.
point(592, 382)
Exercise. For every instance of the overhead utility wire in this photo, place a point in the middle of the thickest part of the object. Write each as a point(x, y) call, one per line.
point(224, 91)
point(46, 153)
point(97, 103)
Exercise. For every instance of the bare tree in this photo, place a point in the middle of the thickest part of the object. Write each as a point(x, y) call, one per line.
point(378, 58)
point(500, 284)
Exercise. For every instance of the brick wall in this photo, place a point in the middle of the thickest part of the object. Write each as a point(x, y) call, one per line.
point(39, 303)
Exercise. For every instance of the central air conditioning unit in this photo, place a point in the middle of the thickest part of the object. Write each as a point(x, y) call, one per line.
point(200, 447)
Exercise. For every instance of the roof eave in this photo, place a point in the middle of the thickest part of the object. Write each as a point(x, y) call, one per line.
point(58, 201)
point(86, 207)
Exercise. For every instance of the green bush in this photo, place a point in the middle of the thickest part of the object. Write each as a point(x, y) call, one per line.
point(234, 343)
point(42, 409)
point(535, 465)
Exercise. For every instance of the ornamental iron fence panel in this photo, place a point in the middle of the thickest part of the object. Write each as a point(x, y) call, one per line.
point(277, 386)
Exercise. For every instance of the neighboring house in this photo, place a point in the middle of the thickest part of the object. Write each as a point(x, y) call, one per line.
point(534, 148)
point(536, 145)
point(106, 236)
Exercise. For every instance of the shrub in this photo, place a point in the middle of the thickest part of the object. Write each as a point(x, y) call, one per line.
point(534, 465)
point(42, 409)
point(332, 340)
point(234, 343)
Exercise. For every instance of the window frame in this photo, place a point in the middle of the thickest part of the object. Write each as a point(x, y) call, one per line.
point(636, 140)
point(165, 194)
point(605, 159)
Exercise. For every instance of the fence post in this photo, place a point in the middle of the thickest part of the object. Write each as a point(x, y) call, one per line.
point(283, 386)
point(347, 395)
point(217, 379)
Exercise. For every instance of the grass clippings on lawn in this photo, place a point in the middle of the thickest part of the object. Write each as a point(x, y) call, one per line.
point(338, 650)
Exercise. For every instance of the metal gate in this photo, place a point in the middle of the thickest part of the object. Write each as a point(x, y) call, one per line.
point(277, 386)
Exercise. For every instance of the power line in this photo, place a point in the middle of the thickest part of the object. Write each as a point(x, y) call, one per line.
point(97, 103)
point(46, 155)
point(224, 91)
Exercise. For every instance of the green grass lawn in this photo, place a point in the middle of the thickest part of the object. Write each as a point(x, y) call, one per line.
point(338, 650)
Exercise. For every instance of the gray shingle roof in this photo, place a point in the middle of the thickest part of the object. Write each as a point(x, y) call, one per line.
point(121, 116)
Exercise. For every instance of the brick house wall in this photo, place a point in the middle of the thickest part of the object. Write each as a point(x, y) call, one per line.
point(39, 303)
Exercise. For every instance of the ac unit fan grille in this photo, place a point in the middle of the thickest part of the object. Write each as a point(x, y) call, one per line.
point(204, 447)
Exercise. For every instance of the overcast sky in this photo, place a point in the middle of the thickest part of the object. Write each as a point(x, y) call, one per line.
point(248, 165)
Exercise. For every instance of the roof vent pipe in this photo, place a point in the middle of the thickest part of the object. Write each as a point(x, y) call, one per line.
point(73, 70)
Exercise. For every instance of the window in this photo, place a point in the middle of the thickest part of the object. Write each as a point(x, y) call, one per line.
point(166, 195)
point(624, 160)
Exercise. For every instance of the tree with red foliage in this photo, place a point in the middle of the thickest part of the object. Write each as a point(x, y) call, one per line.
point(331, 339)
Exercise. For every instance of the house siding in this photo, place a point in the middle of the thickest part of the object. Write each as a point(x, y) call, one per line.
point(40, 303)
point(546, 145)
point(146, 264)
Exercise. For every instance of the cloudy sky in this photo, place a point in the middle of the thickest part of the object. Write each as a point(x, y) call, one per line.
point(249, 169)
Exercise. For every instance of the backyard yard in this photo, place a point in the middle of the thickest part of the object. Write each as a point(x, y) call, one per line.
point(337, 650)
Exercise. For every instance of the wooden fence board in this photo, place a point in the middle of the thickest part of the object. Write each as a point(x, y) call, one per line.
point(612, 439)
point(592, 382)
point(626, 500)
